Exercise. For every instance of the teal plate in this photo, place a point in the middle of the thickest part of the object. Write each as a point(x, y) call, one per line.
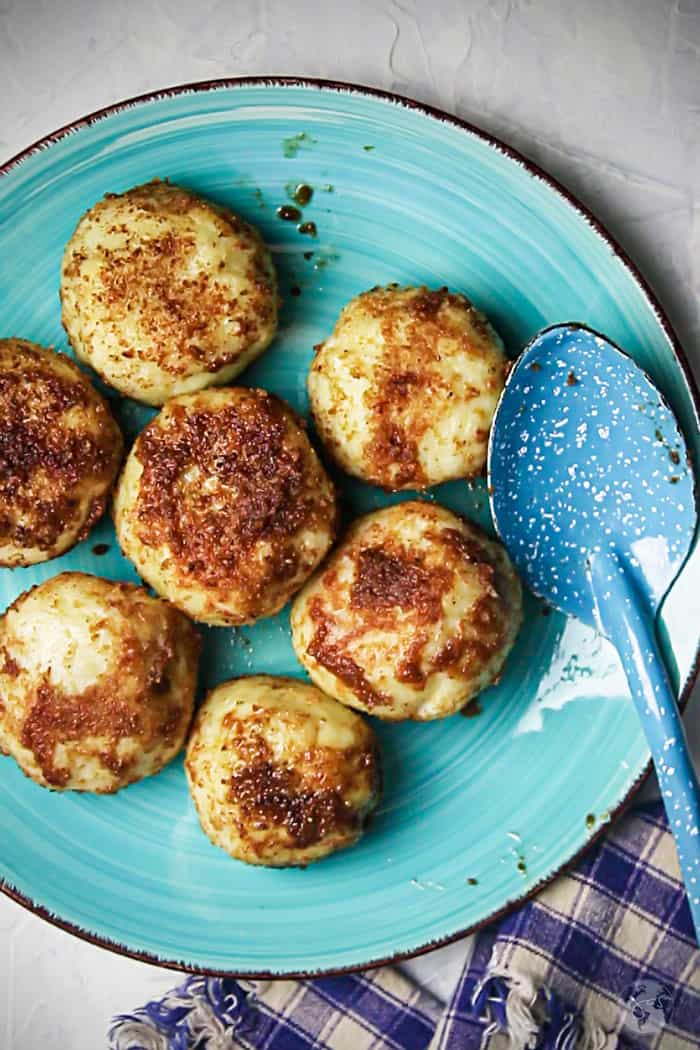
point(478, 812)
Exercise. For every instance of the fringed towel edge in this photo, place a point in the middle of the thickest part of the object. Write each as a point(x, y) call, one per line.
point(531, 1017)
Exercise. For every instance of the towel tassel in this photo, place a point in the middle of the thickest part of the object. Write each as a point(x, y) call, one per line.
point(202, 1012)
point(534, 1019)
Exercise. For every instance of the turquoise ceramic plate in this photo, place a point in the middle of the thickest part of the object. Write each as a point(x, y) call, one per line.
point(477, 811)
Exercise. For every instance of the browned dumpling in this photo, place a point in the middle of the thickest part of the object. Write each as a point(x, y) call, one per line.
point(60, 451)
point(404, 390)
point(412, 615)
point(97, 683)
point(280, 774)
point(223, 505)
point(164, 293)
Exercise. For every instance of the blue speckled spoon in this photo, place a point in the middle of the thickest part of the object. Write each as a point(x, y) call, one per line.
point(593, 495)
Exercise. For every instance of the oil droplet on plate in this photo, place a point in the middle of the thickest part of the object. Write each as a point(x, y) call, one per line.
point(288, 213)
point(303, 193)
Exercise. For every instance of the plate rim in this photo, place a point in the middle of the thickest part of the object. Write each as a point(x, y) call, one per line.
point(535, 171)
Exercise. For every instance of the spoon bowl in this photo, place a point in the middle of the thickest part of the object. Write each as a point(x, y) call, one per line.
point(586, 458)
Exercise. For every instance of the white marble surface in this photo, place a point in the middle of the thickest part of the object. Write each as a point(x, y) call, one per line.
point(604, 94)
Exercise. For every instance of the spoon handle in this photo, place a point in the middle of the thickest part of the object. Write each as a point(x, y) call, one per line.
point(626, 618)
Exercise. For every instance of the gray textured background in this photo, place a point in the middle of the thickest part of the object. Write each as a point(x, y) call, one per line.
point(604, 94)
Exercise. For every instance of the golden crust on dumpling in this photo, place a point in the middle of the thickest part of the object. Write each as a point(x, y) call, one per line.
point(97, 683)
point(60, 451)
point(223, 505)
point(404, 390)
point(279, 773)
point(412, 615)
point(164, 293)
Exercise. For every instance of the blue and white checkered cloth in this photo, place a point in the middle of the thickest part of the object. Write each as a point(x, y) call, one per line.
point(603, 958)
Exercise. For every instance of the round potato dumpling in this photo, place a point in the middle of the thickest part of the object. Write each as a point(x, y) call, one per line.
point(412, 616)
point(60, 451)
point(223, 505)
point(164, 293)
point(280, 774)
point(404, 390)
point(97, 683)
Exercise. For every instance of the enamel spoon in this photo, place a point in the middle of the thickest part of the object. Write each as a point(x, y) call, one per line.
point(593, 495)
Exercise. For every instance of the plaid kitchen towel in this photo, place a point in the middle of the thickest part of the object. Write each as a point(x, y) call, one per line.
point(602, 959)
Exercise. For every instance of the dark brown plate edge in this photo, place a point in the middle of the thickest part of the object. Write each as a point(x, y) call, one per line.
point(691, 386)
